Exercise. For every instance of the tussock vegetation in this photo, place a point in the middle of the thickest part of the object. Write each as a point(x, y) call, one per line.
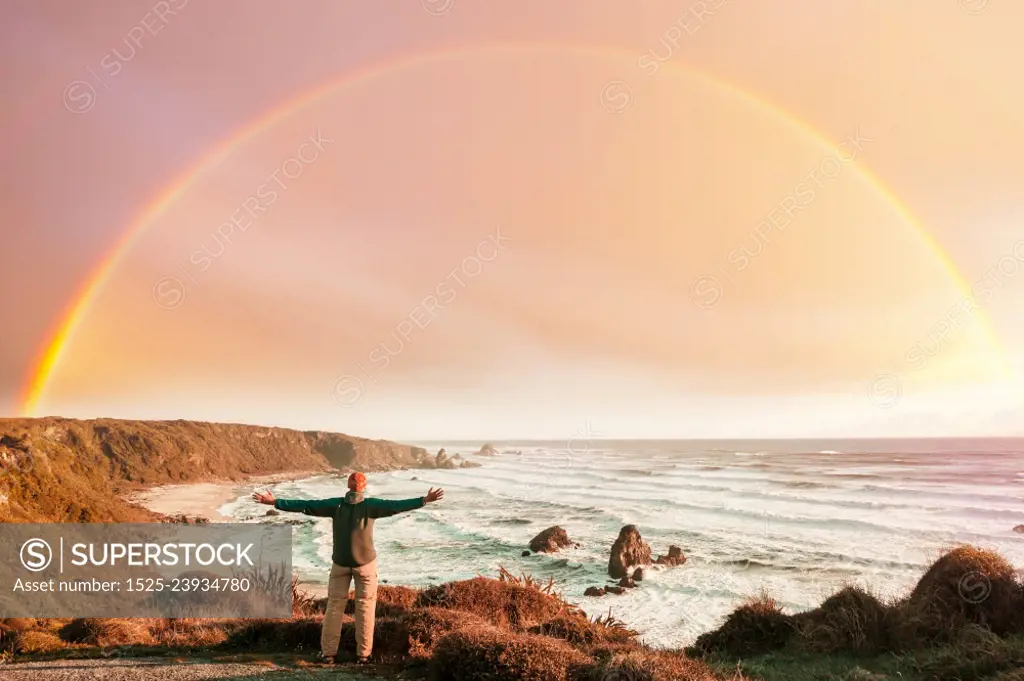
point(649, 665)
point(758, 626)
point(513, 627)
point(489, 652)
point(852, 620)
point(961, 622)
point(509, 602)
point(965, 586)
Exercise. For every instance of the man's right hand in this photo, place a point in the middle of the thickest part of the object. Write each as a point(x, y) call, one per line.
point(434, 495)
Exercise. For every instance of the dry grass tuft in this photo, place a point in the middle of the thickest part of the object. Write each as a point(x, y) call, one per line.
point(426, 626)
point(19, 623)
point(965, 586)
point(36, 642)
point(110, 632)
point(852, 621)
point(504, 603)
point(758, 626)
point(647, 665)
point(578, 630)
point(277, 635)
point(490, 653)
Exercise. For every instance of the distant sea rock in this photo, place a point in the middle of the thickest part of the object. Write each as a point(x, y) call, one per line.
point(550, 540)
point(594, 591)
point(441, 460)
point(629, 551)
point(1019, 528)
point(487, 450)
point(675, 557)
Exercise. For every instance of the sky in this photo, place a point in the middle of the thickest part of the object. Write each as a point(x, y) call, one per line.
point(453, 220)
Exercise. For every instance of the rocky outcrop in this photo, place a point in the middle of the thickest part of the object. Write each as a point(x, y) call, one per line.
point(627, 583)
point(675, 557)
point(487, 450)
point(594, 591)
point(441, 460)
point(638, 575)
point(550, 540)
point(1019, 528)
point(629, 551)
point(69, 470)
point(617, 590)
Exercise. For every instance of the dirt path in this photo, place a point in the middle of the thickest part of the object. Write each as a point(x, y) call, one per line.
point(156, 669)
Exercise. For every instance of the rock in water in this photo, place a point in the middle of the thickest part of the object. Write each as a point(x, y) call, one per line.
point(1019, 528)
point(487, 450)
point(628, 551)
point(675, 557)
point(638, 575)
point(594, 591)
point(617, 590)
point(550, 540)
point(273, 512)
point(525, 554)
point(627, 583)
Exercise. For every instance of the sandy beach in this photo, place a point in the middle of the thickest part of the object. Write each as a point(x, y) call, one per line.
point(206, 498)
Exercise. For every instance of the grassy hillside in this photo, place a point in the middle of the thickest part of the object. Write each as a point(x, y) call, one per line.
point(66, 470)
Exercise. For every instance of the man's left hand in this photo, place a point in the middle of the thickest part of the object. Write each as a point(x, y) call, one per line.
point(264, 498)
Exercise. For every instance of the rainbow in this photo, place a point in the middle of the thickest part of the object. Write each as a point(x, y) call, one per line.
point(48, 359)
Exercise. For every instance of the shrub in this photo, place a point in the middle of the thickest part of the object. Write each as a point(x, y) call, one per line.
point(426, 626)
point(646, 665)
point(277, 635)
point(31, 642)
point(489, 653)
point(18, 623)
point(107, 632)
point(578, 630)
point(758, 626)
point(851, 621)
point(965, 586)
point(975, 653)
point(503, 603)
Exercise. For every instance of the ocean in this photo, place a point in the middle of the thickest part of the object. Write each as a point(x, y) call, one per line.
point(799, 519)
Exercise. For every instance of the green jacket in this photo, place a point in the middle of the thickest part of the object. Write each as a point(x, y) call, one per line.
point(353, 518)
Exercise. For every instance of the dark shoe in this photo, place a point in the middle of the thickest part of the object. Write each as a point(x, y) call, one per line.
point(362, 660)
point(324, 659)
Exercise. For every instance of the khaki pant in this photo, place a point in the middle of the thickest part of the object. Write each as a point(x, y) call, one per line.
point(366, 605)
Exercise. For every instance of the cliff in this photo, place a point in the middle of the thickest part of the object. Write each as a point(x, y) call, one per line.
point(67, 470)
